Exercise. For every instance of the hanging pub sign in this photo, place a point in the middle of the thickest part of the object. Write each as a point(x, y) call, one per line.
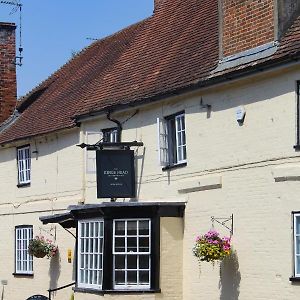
point(115, 174)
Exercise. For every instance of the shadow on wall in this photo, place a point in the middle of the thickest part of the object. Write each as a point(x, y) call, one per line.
point(230, 278)
point(54, 271)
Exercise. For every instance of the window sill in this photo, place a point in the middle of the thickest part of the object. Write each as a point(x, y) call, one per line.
point(295, 279)
point(175, 166)
point(118, 291)
point(23, 274)
point(21, 185)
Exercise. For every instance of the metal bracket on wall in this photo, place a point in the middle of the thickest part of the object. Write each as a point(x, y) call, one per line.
point(224, 222)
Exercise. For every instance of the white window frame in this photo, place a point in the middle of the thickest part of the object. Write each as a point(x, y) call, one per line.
point(113, 135)
point(87, 257)
point(23, 260)
point(126, 254)
point(179, 133)
point(92, 137)
point(24, 164)
point(296, 235)
point(165, 134)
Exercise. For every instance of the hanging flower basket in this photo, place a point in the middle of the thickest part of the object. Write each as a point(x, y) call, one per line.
point(40, 247)
point(210, 247)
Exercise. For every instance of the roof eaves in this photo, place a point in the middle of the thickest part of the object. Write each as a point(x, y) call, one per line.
point(203, 83)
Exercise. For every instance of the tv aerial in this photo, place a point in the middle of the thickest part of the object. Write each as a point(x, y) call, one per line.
point(17, 6)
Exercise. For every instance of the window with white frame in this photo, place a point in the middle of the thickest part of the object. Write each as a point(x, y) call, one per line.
point(90, 253)
point(24, 164)
point(297, 244)
point(117, 254)
point(132, 253)
point(172, 140)
point(92, 137)
point(23, 260)
point(110, 135)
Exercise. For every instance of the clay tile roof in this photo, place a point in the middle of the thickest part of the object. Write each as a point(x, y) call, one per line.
point(177, 47)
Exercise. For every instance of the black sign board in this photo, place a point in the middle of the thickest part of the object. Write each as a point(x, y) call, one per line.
point(115, 174)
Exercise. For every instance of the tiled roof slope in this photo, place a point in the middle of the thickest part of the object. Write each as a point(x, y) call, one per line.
point(178, 44)
point(174, 49)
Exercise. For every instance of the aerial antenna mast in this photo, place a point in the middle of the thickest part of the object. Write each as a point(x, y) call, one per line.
point(17, 6)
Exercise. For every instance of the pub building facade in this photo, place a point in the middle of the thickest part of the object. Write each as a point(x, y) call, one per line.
point(148, 138)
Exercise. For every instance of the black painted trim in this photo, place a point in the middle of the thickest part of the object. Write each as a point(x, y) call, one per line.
point(175, 166)
point(297, 146)
point(294, 279)
point(107, 281)
point(21, 185)
point(155, 254)
point(22, 274)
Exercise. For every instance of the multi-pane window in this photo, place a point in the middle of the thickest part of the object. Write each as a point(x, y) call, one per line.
point(132, 253)
point(24, 164)
point(110, 135)
point(116, 254)
point(297, 244)
point(172, 140)
point(90, 253)
point(24, 263)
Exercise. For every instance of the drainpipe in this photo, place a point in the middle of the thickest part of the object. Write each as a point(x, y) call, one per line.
point(119, 125)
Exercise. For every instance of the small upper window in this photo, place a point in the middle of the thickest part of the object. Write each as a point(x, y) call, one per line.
point(172, 141)
point(24, 262)
point(110, 135)
point(24, 165)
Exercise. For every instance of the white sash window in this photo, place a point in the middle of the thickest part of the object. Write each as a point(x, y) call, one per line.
point(23, 261)
point(171, 140)
point(90, 253)
point(24, 164)
point(132, 253)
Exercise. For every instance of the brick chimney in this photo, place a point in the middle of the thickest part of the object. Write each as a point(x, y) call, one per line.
point(247, 24)
point(8, 83)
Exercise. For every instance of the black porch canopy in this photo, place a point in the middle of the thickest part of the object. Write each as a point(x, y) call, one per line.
point(115, 210)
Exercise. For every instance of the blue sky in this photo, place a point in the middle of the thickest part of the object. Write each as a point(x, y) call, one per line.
point(53, 29)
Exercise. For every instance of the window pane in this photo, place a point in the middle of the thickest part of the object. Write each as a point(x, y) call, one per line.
point(297, 229)
point(297, 241)
point(143, 244)
point(120, 261)
point(143, 227)
point(132, 227)
point(132, 262)
point(132, 244)
point(144, 277)
point(132, 278)
point(144, 262)
point(120, 277)
point(120, 228)
point(120, 244)
point(297, 265)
